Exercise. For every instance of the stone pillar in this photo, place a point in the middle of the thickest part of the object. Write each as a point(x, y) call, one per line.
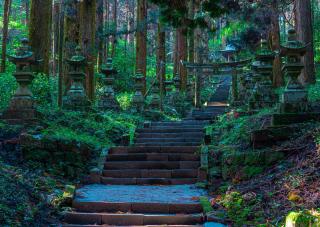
point(108, 100)
point(155, 103)
point(138, 98)
point(76, 98)
point(263, 94)
point(295, 97)
point(22, 105)
point(169, 89)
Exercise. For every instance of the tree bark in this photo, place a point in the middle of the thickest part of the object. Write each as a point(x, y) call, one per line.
point(191, 34)
point(303, 24)
point(182, 56)
point(87, 38)
point(175, 54)
point(274, 37)
point(161, 55)
point(6, 15)
point(115, 27)
point(40, 31)
point(141, 40)
point(100, 33)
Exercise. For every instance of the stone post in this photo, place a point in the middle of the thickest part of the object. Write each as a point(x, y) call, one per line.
point(108, 99)
point(263, 94)
point(22, 105)
point(76, 98)
point(138, 98)
point(155, 97)
point(295, 96)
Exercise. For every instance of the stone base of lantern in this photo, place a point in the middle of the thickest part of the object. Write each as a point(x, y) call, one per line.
point(108, 102)
point(294, 101)
point(76, 103)
point(21, 111)
point(294, 118)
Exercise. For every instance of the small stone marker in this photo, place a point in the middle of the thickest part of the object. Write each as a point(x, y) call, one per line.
point(138, 98)
point(22, 105)
point(108, 99)
point(76, 98)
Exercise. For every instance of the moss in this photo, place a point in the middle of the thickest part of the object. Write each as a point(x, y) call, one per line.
point(206, 205)
point(250, 171)
point(302, 219)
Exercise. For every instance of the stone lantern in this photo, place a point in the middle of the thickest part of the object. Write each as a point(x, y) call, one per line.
point(295, 96)
point(263, 94)
point(22, 105)
point(108, 99)
point(138, 98)
point(76, 98)
point(155, 103)
point(177, 82)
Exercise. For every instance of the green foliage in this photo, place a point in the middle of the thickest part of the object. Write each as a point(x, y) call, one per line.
point(8, 85)
point(303, 218)
point(206, 205)
point(241, 210)
point(314, 92)
point(235, 129)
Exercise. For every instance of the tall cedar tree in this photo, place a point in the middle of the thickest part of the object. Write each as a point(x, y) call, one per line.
point(303, 23)
point(6, 14)
point(40, 31)
point(141, 39)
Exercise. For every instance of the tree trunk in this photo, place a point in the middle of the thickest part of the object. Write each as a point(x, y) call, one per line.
point(141, 40)
point(274, 38)
point(108, 27)
point(161, 55)
point(182, 56)
point(6, 15)
point(27, 8)
point(175, 55)
point(40, 31)
point(303, 24)
point(87, 37)
point(115, 27)
point(55, 36)
point(100, 33)
point(191, 34)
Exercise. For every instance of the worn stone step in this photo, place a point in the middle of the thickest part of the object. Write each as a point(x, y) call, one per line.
point(132, 219)
point(75, 225)
point(152, 157)
point(171, 135)
point(155, 173)
point(170, 130)
point(151, 165)
point(147, 208)
point(166, 144)
point(154, 149)
point(190, 123)
point(186, 128)
point(147, 181)
point(168, 140)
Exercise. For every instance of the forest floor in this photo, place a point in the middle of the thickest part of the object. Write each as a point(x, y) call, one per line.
point(289, 185)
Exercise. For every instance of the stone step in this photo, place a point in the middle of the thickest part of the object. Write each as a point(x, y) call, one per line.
point(172, 144)
point(152, 157)
point(147, 173)
point(154, 149)
point(170, 130)
point(171, 135)
point(75, 225)
point(129, 219)
point(169, 140)
point(190, 123)
point(151, 165)
point(148, 181)
point(197, 126)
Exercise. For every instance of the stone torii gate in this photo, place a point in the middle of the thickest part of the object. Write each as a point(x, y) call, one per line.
point(216, 69)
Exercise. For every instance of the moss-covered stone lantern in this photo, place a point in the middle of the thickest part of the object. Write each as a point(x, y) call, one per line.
point(22, 105)
point(263, 94)
point(295, 96)
point(108, 99)
point(138, 98)
point(76, 98)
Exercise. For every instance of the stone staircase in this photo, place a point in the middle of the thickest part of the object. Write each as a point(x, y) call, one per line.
point(151, 183)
